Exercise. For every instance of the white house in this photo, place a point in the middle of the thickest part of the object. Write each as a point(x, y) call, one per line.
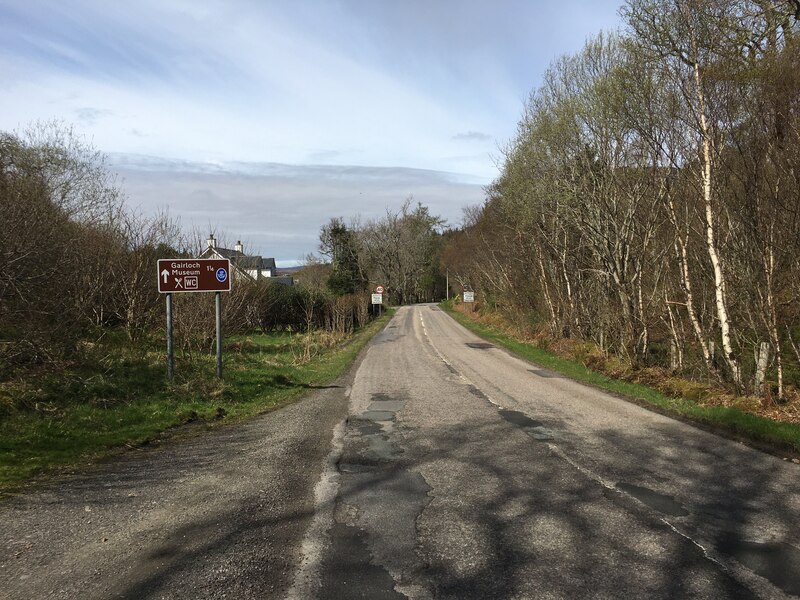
point(254, 267)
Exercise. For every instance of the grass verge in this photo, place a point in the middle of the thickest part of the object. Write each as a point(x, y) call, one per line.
point(777, 437)
point(122, 399)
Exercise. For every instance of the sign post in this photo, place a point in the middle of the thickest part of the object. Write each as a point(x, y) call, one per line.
point(170, 366)
point(177, 275)
point(377, 298)
point(469, 298)
point(218, 307)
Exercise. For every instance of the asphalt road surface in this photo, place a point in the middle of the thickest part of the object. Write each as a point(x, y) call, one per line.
point(439, 467)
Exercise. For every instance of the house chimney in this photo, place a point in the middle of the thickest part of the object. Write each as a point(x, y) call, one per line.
point(238, 246)
point(212, 243)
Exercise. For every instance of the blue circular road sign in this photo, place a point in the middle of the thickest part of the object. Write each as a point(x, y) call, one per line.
point(222, 275)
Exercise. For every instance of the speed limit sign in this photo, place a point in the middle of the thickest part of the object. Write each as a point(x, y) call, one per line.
point(379, 289)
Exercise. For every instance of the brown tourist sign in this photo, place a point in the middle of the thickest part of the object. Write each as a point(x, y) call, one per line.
point(194, 275)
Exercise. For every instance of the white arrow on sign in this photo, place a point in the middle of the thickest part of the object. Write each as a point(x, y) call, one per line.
point(165, 274)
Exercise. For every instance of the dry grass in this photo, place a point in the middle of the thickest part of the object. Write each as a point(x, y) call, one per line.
point(308, 346)
point(703, 393)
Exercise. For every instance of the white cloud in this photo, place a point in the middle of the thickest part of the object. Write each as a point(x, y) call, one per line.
point(278, 209)
point(417, 84)
point(472, 136)
point(274, 81)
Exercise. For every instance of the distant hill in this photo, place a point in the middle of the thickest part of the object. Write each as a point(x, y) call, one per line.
point(285, 271)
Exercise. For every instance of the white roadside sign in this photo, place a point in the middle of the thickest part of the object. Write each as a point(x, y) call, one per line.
point(377, 298)
point(469, 296)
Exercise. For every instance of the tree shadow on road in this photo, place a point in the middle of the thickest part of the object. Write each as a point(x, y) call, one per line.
point(543, 527)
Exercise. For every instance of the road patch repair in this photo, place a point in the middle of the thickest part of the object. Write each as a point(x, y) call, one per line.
point(378, 503)
point(778, 562)
point(660, 502)
point(535, 429)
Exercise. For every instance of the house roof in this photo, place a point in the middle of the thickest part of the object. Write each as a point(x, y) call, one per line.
point(241, 260)
point(254, 262)
point(224, 252)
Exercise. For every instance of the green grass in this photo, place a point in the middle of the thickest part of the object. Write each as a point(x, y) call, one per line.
point(760, 431)
point(123, 398)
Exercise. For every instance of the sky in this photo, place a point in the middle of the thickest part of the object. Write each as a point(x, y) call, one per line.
point(261, 120)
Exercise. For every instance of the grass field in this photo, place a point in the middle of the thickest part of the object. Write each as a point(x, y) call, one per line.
point(123, 398)
point(779, 437)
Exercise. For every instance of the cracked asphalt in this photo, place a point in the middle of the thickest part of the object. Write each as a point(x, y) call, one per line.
point(439, 467)
point(465, 472)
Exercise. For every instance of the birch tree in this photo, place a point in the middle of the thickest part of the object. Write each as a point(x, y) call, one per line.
point(687, 36)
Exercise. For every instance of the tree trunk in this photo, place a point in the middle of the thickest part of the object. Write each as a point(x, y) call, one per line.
point(769, 268)
point(711, 246)
point(761, 368)
point(690, 309)
point(548, 300)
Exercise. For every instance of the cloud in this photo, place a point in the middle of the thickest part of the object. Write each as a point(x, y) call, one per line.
point(278, 209)
point(324, 155)
point(360, 82)
point(472, 136)
point(89, 116)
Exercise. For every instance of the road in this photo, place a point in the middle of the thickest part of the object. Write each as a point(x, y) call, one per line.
point(439, 467)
